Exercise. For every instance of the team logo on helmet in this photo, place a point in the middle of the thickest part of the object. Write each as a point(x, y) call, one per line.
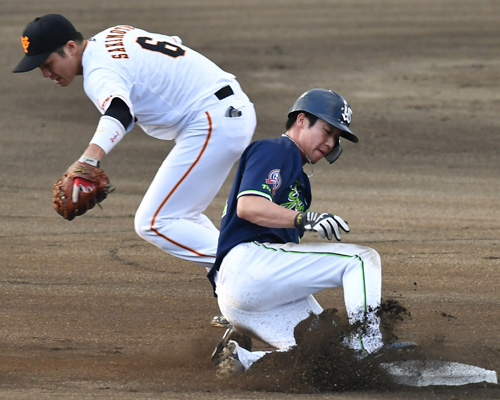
point(274, 179)
point(346, 115)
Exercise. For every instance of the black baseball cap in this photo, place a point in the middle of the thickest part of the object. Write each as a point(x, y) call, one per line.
point(43, 36)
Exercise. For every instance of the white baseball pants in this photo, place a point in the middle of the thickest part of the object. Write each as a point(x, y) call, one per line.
point(170, 215)
point(266, 289)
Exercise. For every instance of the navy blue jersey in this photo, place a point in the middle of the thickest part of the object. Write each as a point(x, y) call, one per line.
point(272, 169)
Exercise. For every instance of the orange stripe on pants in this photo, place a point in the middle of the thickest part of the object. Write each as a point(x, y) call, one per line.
point(175, 188)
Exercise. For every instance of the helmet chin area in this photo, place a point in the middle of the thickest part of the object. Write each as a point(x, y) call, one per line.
point(333, 155)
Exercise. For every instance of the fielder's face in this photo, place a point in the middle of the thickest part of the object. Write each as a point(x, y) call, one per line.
point(317, 140)
point(61, 70)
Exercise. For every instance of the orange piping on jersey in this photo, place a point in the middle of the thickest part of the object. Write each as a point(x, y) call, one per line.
point(175, 188)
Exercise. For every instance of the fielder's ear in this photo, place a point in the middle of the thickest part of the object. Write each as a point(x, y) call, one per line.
point(71, 47)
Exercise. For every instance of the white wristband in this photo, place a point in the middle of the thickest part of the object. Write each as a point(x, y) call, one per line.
point(108, 133)
point(89, 160)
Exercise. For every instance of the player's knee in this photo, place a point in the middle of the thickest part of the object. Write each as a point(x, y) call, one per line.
point(142, 227)
point(150, 232)
point(141, 230)
point(372, 258)
point(369, 256)
point(374, 255)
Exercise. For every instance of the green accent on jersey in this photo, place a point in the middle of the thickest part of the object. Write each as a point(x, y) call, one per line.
point(266, 187)
point(294, 203)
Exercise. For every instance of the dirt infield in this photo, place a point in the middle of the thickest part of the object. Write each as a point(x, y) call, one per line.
point(90, 310)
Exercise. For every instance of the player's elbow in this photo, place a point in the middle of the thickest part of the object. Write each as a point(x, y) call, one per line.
point(245, 209)
point(243, 213)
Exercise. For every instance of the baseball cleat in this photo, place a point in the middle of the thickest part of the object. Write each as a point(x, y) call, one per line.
point(231, 334)
point(220, 321)
point(229, 364)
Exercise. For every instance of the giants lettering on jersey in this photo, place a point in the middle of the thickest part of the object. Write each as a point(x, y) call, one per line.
point(114, 41)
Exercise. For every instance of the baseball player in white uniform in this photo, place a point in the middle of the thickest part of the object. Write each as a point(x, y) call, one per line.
point(173, 93)
point(263, 277)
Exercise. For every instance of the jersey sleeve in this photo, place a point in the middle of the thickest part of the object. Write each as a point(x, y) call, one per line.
point(262, 172)
point(103, 85)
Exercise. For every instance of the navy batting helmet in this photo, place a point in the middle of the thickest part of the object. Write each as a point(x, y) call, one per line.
point(330, 107)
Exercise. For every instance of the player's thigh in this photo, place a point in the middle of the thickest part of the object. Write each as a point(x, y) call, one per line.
point(257, 276)
point(189, 177)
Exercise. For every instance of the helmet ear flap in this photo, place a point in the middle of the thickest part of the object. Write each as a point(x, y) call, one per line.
point(334, 154)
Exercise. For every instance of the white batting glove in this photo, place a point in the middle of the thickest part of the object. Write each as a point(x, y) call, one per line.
point(325, 224)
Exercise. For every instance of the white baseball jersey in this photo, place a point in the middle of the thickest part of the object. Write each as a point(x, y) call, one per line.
point(161, 80)
point(172, 92)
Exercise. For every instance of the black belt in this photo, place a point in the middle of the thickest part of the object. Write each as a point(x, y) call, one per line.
point(226, 91)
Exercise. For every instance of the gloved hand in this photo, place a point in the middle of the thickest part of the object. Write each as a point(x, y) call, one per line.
point(325, 224)
point(81, 187)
